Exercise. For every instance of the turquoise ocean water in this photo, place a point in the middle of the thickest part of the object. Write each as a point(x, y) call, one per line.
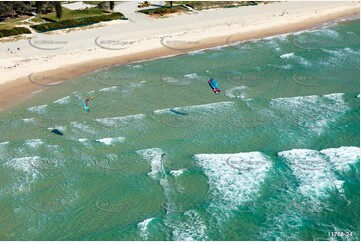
point(274, 156)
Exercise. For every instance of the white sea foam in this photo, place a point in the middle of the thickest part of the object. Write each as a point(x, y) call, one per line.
point(125, 120)
point(231, 185)
point(63, 100)
point(315, 170)
point(315, 174)
point(303, 61)
point(143, 227)
point(131, 86)
point(136, 66)
point(191, 76)
point(341, 158)
point(108, 89)
point(176, 173)
point(135, 84)
point(38, 109)
point(338, 55)
point(202, 107)
point(23, 163)
point(287, 55)
point(329, 32)
point(60, 128)
point(300, 59)
point(83, 127)
point(337, 97)
point(236, 92)
point(33, 143)
point(312, 171)
point(193, 228)
point(313, 112)
point(28, 120)
point(196, 52)
point(110, 141)
point(154, 156)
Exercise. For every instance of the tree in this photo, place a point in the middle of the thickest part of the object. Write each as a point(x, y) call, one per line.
point(39, 7)
point(14, 8)
point(22, 8)
point(58, 10)
point(111, 5)
point(6, 10)
point(103, 6)
point(171, 4)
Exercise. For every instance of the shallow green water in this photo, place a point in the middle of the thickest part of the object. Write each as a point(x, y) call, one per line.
point(274, 156)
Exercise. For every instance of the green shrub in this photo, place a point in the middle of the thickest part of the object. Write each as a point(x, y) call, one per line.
point(14, 31)
point(162, 10)
point(71, 23)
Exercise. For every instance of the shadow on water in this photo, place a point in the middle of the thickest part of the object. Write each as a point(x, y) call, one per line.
point(57, 131)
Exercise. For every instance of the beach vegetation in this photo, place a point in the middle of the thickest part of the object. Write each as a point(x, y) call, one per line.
point(163, 10)
point(39, 5)
point(111, 5)
point(51, 15)
point(104, 6)
point(202, 5)
point(73, 14)
point(93, 2)
point(15, 9)
point(59, 10)
point(14, 31)
point(72, 23)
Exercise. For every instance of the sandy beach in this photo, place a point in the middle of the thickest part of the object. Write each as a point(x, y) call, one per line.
point(62, 55)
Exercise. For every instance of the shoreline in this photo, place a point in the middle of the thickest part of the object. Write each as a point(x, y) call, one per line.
point(15, 92)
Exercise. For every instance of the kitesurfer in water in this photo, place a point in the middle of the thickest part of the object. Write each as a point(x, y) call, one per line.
point(86, 103)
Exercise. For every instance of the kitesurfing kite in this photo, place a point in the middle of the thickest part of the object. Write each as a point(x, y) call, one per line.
point(86, 104)
point(214, 85)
